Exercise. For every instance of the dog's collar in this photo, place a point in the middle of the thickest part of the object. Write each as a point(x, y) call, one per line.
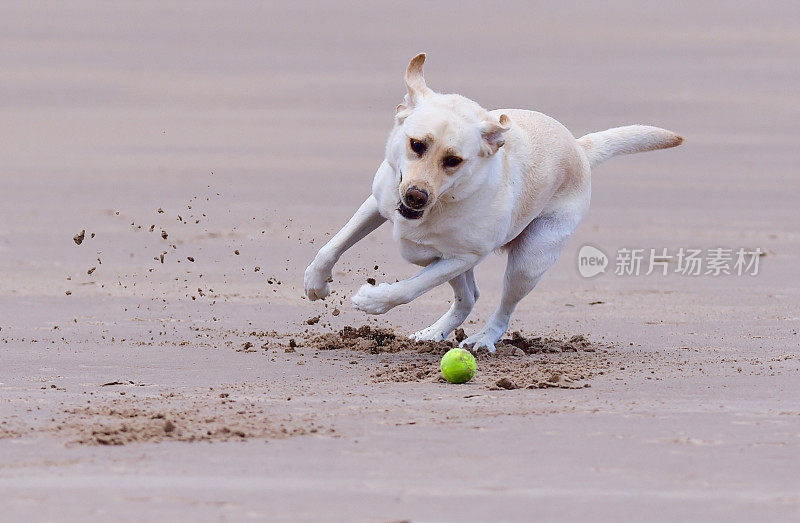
point(407, 213)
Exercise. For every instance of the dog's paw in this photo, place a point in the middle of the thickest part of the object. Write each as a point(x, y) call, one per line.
point(374, 299)
point(485, 338)
point(430, 334)
point(317, 283)
point(477, 344)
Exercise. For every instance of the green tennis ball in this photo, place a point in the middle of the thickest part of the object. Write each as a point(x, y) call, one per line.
point(458, 366)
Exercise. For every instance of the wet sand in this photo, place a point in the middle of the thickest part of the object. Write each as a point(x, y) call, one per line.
point(178, 373)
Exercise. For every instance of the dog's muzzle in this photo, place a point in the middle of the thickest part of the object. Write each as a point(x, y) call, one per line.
point(415, 198)
point(407, 213)
point(412, 203)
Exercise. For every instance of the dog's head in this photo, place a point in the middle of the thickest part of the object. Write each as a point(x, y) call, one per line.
point(439, 140)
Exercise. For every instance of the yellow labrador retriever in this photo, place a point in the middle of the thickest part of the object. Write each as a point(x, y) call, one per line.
point(459, 182)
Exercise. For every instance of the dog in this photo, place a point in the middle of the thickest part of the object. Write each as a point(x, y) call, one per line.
point(459, 182)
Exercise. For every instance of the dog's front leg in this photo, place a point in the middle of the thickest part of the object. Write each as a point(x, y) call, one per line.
point(319, 274)
point(465, 294)
point(377, 299)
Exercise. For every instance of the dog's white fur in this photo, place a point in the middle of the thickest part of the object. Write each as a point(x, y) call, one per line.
point(523, 186)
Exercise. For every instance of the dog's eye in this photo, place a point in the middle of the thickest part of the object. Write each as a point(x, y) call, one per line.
point(418, 147)
point(452, 161)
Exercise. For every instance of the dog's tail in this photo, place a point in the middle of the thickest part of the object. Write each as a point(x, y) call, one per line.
point(601, 146)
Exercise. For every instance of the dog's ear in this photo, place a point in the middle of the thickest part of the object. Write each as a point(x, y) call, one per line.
point(402, 111)
point(415, 82)
point(492, 131)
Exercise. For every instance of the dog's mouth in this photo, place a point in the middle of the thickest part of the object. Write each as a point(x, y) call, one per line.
point(408, 213)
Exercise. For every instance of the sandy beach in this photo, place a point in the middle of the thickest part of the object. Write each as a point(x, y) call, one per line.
point(166, 365)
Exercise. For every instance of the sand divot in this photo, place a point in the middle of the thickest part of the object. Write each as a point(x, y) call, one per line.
point(209, 416)
point(520, 362)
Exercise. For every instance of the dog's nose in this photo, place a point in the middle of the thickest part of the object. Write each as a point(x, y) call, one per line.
point(416, 198)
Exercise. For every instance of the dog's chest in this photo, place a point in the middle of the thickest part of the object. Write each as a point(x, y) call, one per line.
point(418, 253)
point(444, 235)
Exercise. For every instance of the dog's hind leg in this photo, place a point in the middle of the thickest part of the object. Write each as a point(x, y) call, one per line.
point(529, 256)
point(465, 293)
